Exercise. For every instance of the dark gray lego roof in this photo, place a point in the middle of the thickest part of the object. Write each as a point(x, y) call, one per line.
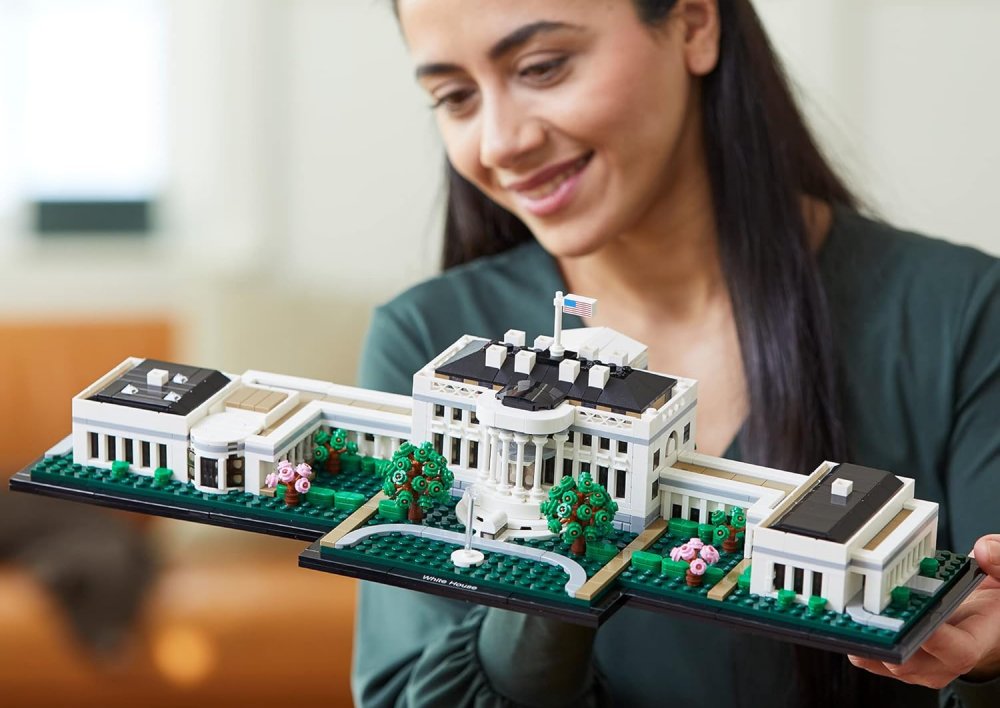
point(818, 514)
point(173, 398)
point(628, 390)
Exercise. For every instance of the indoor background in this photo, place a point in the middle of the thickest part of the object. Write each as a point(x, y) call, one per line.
point(236, 183)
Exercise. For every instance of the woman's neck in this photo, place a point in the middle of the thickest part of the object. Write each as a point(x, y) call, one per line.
point(666, 270)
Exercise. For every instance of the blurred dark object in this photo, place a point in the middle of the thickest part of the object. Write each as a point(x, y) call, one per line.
point(96, 565)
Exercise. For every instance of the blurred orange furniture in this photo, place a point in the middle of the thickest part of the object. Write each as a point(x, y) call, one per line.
point(231, 620)
point(43, 365)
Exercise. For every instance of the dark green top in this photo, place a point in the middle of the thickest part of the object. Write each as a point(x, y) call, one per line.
point(917, 337)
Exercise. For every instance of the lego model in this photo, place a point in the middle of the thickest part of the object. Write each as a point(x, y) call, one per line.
point(558, 478)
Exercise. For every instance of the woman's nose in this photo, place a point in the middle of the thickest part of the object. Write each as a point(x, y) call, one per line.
point(508, 134)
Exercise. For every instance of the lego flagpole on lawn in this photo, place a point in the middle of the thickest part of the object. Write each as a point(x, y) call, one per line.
point(556, 351)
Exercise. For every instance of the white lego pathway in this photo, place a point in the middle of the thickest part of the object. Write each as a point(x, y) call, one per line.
point(577, 575)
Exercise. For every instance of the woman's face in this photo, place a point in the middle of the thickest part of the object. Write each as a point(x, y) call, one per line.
point(572, 114)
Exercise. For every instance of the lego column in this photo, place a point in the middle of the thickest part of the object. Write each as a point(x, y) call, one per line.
point(536, 489)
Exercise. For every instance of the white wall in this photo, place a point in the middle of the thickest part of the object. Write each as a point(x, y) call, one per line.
point(904, 95)
point(305, 166)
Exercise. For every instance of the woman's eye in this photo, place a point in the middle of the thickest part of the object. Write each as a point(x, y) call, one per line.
point(454, 101)
point(544, 70)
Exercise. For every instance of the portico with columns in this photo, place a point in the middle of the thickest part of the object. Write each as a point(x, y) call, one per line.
point(532, 418)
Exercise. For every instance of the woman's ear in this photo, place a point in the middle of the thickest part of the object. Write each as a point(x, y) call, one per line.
point(700, 22)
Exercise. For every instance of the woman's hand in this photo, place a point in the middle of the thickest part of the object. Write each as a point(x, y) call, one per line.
point(968, 644)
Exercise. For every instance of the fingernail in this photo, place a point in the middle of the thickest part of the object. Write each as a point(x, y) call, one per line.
point(994, 550)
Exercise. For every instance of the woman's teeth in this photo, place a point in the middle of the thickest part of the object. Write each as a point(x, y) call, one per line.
point(553, 184)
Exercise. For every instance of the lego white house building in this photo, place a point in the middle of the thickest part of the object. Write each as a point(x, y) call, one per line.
point(512, 420)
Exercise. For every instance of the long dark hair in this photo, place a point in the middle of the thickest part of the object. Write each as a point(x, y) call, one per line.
point(762, 161)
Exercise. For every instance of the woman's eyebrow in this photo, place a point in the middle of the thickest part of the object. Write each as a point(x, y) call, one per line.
point(517, 38)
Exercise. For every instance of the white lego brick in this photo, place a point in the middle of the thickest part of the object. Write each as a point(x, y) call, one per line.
point(515, 337)
point(157, 377)
point(62, 447)
point(598, 376)
point(569, 369)
point(842, 488)
point(617, 357)
point(542, 342)
point(496, 355)
point(921, 584)
point(524, 362)
point(588, 351)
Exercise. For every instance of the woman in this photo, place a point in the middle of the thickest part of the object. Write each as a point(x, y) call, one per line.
point(648, 153)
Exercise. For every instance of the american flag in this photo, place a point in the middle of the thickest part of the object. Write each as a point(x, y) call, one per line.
point(579, 305)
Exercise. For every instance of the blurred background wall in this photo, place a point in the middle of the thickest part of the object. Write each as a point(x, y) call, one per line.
point(282, 172)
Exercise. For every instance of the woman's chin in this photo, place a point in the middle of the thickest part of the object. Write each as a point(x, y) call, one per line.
point(565, 243)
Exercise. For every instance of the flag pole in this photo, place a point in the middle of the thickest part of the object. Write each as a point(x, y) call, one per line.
point(556, 351)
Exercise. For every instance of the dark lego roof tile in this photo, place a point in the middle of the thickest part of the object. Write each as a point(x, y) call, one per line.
point(187, 388)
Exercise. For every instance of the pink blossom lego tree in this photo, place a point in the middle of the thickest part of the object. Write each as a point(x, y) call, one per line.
point(698, 556)
point(296, 479)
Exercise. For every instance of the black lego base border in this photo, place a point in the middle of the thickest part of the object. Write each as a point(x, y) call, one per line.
point(592, 616)
point(969, 578)
point(22, 482)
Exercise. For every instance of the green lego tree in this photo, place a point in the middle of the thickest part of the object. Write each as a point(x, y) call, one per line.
point(329, 448)
point(581, 510)
point(729, 531)
point(417, 478)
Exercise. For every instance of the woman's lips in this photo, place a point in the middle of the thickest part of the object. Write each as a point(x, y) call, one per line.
point(544, 195)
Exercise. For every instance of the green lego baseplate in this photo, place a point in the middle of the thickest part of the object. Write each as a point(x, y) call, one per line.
point(61, 470)
point(498, 571)
point(814, 618)
point(533, 584)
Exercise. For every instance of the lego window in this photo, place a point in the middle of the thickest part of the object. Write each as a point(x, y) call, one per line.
point(604, 443)
point(370, 437)
point(602, 476)
point(654, 488)
point(129, 457)
point(439, 443)
point(161, 454)
point(687, 432)
point(144, 453)
point(817, 585)
point(622, 447)
point(234, 471)
point(456, 414)
point(778, 579)
point(109, 451)
point(587, 440)
point(86, 85)
point(695, 514)
point(676, 511)
point(209, 472)
point(620, 483)
point(567, 467)
point(438, 411)
point(456, 450)
point(798, 580)
point(94, 446)
point(656, 459)
point(474, 453)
